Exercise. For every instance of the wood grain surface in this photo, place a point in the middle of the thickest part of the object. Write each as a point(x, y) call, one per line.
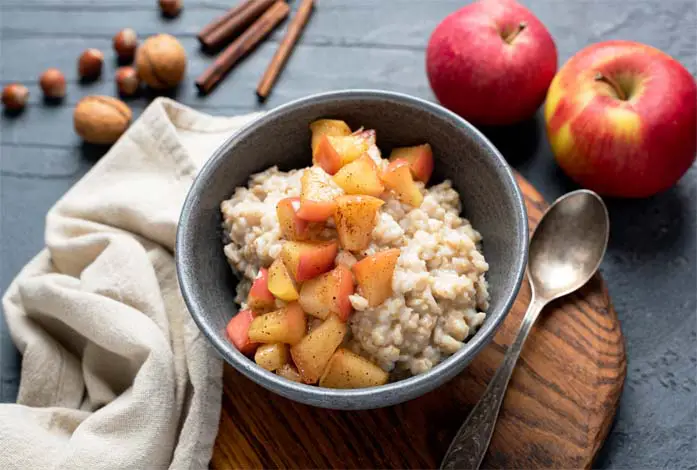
point(558, 409)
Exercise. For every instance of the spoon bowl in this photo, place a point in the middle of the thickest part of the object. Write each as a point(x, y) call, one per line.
point(565, 251)
point(568, 245)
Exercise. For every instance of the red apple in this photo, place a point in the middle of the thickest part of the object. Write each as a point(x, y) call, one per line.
point(420, 158)
point(238, 332)
point(491, 62)
point(260, 299)
point(292, 226)
point(622, 119)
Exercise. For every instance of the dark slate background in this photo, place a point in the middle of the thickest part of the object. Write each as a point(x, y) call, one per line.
point(650, 266)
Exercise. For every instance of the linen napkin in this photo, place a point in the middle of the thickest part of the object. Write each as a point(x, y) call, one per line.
point(115, 374)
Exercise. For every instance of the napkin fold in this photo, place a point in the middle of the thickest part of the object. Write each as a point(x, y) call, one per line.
point(115, 374)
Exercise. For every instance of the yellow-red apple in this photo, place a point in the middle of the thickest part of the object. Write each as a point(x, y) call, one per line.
point(317, 193)
point(328, 293)
point(361, 176)
point(281, 284)
point(260, 298)
point(420, 158)
point(491, 62)
point(355, 220)
point(374, 275)
point(286, 325)
point(325, 156)
point(312, 353)
point(622, 119)
point(305, 260)
point(237, 331)
point(350, 147)
point(397, 177)
point(292, 226)
point(322, 127)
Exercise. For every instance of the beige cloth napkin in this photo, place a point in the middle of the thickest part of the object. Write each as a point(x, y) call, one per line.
point(115, 374)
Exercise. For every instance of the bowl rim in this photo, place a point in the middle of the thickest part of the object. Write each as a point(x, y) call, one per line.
point(372, 397)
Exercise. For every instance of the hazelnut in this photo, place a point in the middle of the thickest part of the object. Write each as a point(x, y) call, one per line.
point(14, 96)
point(161, 61)
point(170, 7)
point(125, 43)
point(90, 64)
point(127, 81)
point(101, 119)
point(52, 83)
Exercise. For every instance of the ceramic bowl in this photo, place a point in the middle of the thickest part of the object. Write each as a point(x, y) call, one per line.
point(490, 197)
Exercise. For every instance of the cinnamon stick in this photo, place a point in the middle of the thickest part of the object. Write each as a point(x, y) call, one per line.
point(284, 49)
point(241, 46)
point(215, 24)
point(234, 24)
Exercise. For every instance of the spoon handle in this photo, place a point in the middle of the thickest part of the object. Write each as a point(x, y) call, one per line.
point(472, 440)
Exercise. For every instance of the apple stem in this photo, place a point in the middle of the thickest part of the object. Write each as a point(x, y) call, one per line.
point(521, 26)
point(612, 83)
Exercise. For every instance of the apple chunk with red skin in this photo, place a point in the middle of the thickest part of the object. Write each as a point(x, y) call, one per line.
point(237, 331)
point(286, 325)
point(333, 152)
point(292, 226)
point(305, 260)
point(324, 127)
point(260, 298)
point(325, 156)
point(374, 275)
point(420, 158)
point(328, 293)
point(397, 177)
point(317, 193)
point(622, 119)
point(491, 62)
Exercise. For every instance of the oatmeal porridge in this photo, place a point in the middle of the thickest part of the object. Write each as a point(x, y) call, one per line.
point(355, 244)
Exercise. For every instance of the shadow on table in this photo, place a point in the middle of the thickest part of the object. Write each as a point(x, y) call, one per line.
point(93, 152)
point(518, 142)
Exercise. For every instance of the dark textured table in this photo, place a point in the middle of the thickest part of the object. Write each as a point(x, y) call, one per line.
point(650, 266)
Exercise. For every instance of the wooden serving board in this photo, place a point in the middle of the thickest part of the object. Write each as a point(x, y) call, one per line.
point(558, 409)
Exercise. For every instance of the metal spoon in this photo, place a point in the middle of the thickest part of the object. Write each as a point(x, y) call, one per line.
point(565, 252)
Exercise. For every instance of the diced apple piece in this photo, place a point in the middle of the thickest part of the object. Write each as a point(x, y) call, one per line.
point(286, 325)
point(397, 177)
point(349, 147)
point(325, 156)
point(328, 294)
point(420, 158)
point(281, 284)
point(349, 370)
point(317, 193)
point(260, 298)
point(355, 219)
point(360, 177)
point(313, 352)
point(272, 356)
point(292, 226)
point(290, 372)
point(238, 332)
point(374, 275)
point(305, 260)
point(323, 127)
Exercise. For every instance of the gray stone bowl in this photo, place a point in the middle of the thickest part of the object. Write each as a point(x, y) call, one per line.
point(491, 200)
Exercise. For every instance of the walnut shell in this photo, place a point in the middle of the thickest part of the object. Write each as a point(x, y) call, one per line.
point(101, 119)
point(161, 61)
